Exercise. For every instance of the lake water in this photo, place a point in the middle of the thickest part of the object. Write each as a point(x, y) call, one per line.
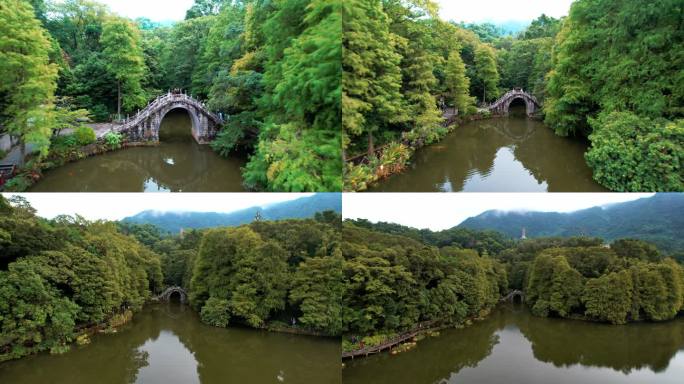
point(511, 346)
point(177, 164)
point(167, 344)
point(508, 154)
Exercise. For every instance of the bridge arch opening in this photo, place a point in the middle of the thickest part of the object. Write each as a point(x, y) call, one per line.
point(178, 124)
point(517, 299)
point(517, 107)
point(176, 297)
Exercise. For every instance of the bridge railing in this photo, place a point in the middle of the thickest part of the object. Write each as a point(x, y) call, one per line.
point(162, 100)
point(512, 93)
point(420, 327)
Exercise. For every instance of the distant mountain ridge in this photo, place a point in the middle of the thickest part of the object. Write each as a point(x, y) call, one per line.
point(303, 207)
point(659, 219)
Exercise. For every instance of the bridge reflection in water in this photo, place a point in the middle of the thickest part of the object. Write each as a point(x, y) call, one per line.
point(507, 154)
point(177, 164)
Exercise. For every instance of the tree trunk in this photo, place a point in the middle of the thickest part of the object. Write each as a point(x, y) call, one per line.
point(118, 102)
point(22, 152)
point(371, 149)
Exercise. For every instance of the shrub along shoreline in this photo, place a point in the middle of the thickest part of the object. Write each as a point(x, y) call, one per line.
point(363, 171)
point(68, 149)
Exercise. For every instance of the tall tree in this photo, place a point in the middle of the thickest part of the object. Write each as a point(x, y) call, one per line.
point(299, 146)
point(457, 83)
point(181, 55)
point(486, 72)
point(616, 56)
point(124, 55)
point(542, 26)
point(205, 8)
point(371, 76)
point(77, 25)
point(28, 79)
point(419, 84)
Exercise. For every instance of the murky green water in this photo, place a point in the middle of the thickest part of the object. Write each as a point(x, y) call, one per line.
point(178, 164)
point(167, 344)
point(512, 154)
point(512, 346)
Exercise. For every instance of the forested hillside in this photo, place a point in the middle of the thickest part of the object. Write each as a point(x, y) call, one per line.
point(62, 275)
point(627, 282)
point(393, 282)
point(273, 67)
point(396, 279)
point(304, 207)
point(657, 219)
point(263, 274)
point(483, 240)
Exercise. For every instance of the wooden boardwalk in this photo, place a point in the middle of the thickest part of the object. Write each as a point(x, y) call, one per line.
point(389, 344)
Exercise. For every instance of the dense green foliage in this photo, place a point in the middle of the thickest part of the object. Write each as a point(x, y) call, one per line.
point(617, 74)
point(484, 241)
point(598, 284)
point(300, 140)
point(400, 64)
point(393, 282)
point(62, 274)
point(270, 271)
point(28, 78)
point(272, 66)
point(616, 56)
point(632, 153)
point(397, 277)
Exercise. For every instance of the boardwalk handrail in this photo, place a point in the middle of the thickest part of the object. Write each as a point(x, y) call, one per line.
point(421, 327)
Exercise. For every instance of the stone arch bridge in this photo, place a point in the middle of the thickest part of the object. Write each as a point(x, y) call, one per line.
point(501, 106)
point(144, 126)
point(514, 295)
point(168, 292)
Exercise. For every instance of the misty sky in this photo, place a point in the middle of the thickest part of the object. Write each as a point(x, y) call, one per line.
point(501, 10)
point(439, 211)
point(458, 10)
point(156, 10)
point(116, 206)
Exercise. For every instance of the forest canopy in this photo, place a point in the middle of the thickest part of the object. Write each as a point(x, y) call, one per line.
point(61, 274)
point(272, 66)
point(397, 277)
